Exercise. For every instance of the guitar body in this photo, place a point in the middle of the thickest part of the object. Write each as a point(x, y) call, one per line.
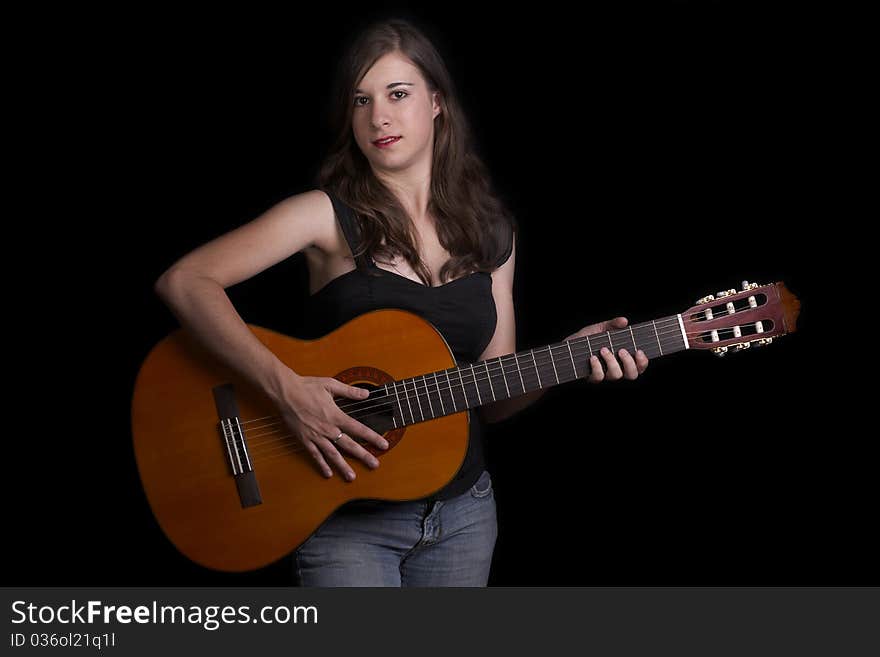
point(234, 489)
point(187, 469)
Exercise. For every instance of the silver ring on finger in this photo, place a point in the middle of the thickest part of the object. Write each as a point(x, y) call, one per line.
point(336, 440)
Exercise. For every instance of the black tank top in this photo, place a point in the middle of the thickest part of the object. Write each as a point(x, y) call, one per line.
point(463, 310)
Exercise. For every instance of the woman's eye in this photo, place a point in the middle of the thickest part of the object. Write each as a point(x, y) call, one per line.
point(359, 98)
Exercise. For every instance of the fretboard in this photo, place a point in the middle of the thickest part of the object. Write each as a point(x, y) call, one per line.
point(435, 394)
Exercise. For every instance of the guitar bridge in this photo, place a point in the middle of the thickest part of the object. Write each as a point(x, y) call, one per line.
point(235, 445)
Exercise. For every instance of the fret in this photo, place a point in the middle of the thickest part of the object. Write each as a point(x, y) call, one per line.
point(409, 406)
point(590, 345)
point(454, 407)
point(551, 349)
point(563, 358)
point(553, 363)
point(439, 394)
point(598, 346)
point(508, 363)
point(519, 370)
point(428, 395)
point(416, 395)
point(659, 346)
point(450, 387)
point(504, 376)
point(398, 405)
point(463, 389)
point(418, 401)
point(571, 356)
point(647, 339)
point(532, 352)
point(477, 387)
point(530, 373)
point(489, 377)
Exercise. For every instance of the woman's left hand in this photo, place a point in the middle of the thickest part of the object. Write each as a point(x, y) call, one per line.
point(627, 367)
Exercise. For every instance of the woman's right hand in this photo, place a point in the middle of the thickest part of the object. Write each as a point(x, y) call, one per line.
point(308, 408)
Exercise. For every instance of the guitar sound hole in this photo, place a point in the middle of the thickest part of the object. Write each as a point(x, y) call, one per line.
point(377, 412)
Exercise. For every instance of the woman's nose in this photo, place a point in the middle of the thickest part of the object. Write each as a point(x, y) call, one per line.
point(380, 116)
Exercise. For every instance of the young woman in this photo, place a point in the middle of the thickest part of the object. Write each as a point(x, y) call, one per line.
point(403, 216)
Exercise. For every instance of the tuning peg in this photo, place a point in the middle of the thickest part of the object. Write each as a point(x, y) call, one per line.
point(706, 299)
point(749, 286)
point(764, 341)
point(719, 351)
point(725, 293)
point(743, 345)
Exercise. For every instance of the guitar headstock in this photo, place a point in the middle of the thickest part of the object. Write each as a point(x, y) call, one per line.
point(732, 319)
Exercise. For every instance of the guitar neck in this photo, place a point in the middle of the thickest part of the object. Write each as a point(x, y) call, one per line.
point(435, 394)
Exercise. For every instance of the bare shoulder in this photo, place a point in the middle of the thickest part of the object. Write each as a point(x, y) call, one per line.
point(324, 230)
point(306, 219)
point(301, 222)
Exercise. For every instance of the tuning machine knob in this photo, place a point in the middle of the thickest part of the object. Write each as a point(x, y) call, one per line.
point(719, 351)
point(749, 286)
point(764, 341)
point(706, 299)
point(725, 293)
point(742, 345)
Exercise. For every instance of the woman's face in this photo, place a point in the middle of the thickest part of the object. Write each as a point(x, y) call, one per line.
point(384, 107)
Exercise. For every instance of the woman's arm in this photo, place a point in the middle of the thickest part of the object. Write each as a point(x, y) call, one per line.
point(194, 287)
point(503, 341)
point(202, 307)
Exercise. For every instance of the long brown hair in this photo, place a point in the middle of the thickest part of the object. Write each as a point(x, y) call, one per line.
point(473, 225)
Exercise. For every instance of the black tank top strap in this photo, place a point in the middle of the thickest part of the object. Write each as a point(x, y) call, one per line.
point(350, 228)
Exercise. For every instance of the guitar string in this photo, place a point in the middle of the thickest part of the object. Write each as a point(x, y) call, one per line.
point(498, 366)
point(273, 442)
point(546, 356)
point(290, 445)
point(384, 399)
point(380, 400)
point(542, 357)
point(278, 446)
point(286, 445)
point(671, 327)
point(387, 400)
point(272, 447)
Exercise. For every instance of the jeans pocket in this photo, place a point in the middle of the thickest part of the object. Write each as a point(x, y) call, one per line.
point(483, 487)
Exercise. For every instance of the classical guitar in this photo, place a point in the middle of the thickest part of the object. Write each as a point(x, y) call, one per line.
point(234, 490)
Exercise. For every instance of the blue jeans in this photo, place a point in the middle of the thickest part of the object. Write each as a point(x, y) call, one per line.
point(376, 543)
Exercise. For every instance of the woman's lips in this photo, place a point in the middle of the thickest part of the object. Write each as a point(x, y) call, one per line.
point(380, 144)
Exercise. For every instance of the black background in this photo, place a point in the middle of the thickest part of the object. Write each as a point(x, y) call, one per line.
point(652, 153)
